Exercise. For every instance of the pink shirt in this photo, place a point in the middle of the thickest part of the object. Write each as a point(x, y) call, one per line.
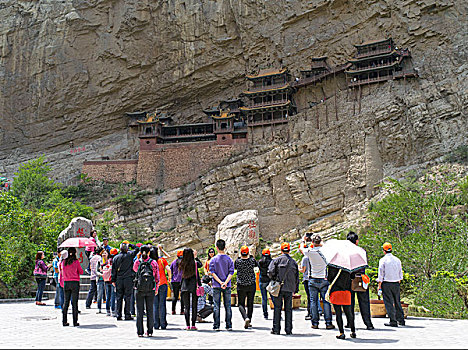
point(154, 265)
point(71, 272)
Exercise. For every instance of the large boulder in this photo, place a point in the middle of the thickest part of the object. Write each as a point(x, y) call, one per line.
point(78, 227)
point(240, 229)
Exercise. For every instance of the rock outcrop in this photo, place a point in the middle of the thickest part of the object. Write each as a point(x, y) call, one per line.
point(240, 229)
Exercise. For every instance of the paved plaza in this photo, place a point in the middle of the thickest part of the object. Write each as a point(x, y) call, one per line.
point(25, 325)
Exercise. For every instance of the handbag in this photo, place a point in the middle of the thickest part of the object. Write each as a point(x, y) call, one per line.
point(357, 284)
point(52, 282)
point(274, 287)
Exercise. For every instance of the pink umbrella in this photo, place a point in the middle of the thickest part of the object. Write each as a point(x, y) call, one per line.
point(78, 242)
point(344, 255)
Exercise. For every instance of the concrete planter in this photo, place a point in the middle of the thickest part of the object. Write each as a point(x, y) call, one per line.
point(296, 302)
point(233, 299)
point(377, 308)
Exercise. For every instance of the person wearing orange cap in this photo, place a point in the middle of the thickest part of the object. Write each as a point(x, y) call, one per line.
point(264, 280)
point(176, 281)
point(389, 278)
point(284, 270)
point(246, 284)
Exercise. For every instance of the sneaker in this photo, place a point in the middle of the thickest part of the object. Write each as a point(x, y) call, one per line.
point(314, 326)
point(216, 329)
point(58, 307)
point(229, 328)
point(173, 312)
point(370, 328)
point(99, 312)
point(401, 323)
point(187, 328)
point(330, 326)
point(108, 313)
point(275, 333)
point(182, 313)
point(390, 324)
point(265, 317)
point(308, 318)
point(88, 307)
point(193, 328)
point(341, 336)
point(247, 323)
point(353, 335)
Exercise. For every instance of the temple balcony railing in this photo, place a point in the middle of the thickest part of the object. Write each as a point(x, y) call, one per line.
point(373, 52)
point(385, 65)
point(405, 73)
point(369, 80)
point(268, 122)
point(267, 104)
point(267, 87)
point(187, 135)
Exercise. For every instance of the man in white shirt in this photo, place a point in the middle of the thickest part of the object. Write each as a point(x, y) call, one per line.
point(318, 282)
point(390, 276)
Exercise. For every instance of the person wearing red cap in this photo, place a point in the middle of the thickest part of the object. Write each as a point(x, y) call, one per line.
point(389, 278)
point(264, 280)
point(284, 270)
point(246, 284)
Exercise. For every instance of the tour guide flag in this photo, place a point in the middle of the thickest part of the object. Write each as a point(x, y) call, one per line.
point(78, 242)
point(344, 255)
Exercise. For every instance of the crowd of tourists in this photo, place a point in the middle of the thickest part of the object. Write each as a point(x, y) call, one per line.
point(134, 281)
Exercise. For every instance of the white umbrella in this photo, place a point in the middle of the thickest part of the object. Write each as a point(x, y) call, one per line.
point(344, 255)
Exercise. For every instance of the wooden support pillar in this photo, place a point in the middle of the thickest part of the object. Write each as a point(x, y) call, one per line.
point(317, 117)
point(360, 96)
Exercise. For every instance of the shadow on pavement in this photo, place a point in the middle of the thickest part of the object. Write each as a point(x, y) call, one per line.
point(160, 338)
point(97, 326)
point(302, 335)
point(373, 341)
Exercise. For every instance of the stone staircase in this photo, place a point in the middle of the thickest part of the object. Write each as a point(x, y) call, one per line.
point(85, 282)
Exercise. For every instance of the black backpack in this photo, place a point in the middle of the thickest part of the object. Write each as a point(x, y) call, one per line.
point(144, 279)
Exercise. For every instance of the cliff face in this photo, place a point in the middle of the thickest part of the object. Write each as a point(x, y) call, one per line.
point(70, 69)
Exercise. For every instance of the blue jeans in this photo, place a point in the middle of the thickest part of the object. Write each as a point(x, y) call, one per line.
point(58, 293)
point(110, 292)
point(264, 293)
point(316, 286)
point(41, 283)
point(100, 293)
point(217, 306)
point(159, 308)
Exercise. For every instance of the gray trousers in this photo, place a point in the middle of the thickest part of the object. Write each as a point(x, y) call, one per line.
point(391, 298)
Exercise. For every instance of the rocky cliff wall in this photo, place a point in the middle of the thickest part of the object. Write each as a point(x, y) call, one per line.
point(69, 69)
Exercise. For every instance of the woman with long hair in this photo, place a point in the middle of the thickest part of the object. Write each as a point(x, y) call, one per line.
point(71, 271)
point(264, 280)
point(40, 273)
point(190, 282)
point(146, 288)
point(246, 284)
point(211, 254)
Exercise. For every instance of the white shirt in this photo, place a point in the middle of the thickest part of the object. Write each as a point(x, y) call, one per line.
point(317, 262)
point(390, 269)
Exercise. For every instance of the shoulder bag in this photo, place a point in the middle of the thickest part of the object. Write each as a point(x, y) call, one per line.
point(274, 287)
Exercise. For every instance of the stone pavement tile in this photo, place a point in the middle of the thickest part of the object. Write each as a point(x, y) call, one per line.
point(26, 325)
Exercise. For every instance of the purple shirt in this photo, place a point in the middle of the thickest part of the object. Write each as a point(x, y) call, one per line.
point(223, 266)
point(176, 273)
point(41, 268)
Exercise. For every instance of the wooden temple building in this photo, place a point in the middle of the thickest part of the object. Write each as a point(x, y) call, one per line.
point(377, 61)
point(269, 98)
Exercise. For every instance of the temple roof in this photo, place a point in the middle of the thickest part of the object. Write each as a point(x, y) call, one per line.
point(267, 72)
point(224, 115)
point(135, 114)
point(373, 42)
point(321, 58)
point(266, 106)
